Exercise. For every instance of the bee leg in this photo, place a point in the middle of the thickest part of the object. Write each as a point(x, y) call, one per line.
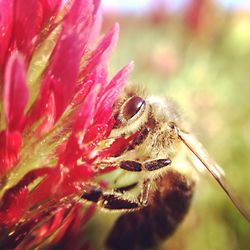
point(143, 196)
point(152, 165)
point(156, 164)
point(112, 201)
point(133, 166)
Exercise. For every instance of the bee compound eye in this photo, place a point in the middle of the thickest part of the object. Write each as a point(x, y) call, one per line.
point(132, 107)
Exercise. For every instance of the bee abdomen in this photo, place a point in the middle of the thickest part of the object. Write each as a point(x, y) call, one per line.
point(146, 227)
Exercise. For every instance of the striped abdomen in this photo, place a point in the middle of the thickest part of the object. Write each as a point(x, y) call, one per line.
point(146, 227)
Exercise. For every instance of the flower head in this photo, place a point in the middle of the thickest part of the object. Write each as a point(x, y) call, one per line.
point(56, 109)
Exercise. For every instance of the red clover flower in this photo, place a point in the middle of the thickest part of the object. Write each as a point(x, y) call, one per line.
point(55, 112)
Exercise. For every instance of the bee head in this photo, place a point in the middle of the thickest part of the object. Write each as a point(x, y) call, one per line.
point(157, 115)
point(131, 116)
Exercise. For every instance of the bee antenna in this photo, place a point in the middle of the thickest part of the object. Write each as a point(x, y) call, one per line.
point(198, 150)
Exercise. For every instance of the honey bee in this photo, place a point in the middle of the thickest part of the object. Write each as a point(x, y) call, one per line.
point(160, 135)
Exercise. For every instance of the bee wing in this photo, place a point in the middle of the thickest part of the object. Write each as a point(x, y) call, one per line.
point(199, 151)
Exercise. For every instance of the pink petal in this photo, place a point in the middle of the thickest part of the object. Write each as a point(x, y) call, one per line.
point(69, 236)
point(10, 145)
point(15, 200)
point(26, 32)
point(95, 133)
point(98, 75)
point(44, 231)
point(11, 196)
point(49, 117)
point(84, 118)
point(112, 91)
point(17, 32)
point(23, 231)
point(63, 230)
point(13, 214)
point(56, 221)
point(62, 73)
point(101, 54)
point(92, 137)
point(50, 9)
point(6, 24)
point(75, 179)
point(48, 188)
point(18, 199)
point(15, 92)
point(97, 23)
point(81, 92)
point(85, 113)
point(96, 68)
point(117, 147)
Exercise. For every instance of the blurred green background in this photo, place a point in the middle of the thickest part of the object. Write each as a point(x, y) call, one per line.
point(199, 55)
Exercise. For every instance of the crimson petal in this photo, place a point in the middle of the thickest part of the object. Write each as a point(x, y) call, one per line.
point(6, 23)
point(61, 77)
point(15, 92)
point(100, 55)
point(83, 121)
point(62, 73)
point(25, 33)
point(110, 94)
point(15, 200)
point(9, 151)
point(97, 23)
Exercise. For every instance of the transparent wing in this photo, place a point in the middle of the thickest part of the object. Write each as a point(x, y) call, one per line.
point(199, 151)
